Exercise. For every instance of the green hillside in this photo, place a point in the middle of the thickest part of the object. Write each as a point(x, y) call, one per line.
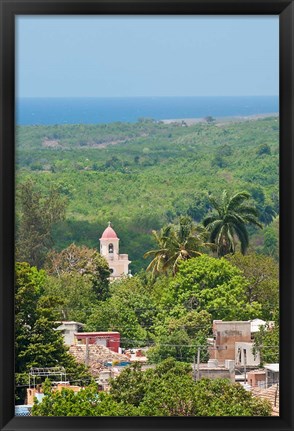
point(141, 176)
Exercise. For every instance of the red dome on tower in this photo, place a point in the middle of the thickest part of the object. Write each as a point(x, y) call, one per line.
point(109, 233)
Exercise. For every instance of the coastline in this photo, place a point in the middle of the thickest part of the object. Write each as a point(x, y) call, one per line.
point(219, 120)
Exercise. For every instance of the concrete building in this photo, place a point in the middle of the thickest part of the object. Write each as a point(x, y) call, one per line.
point(265, 384)
point(33, 393)
point(68, 329)
point(256, 378)
point(225, 335)
point(103, 379)
point(213, 370)
point(109, 249)
point(244, 355)
point(37, 391)
point(111, 340)
point(272, 374)
point(235, 340)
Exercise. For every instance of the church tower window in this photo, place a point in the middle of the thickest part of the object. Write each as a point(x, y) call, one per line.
point(110, 248)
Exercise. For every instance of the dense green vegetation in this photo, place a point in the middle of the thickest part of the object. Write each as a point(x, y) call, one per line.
point(142, 176)
point(168, 390)
point(37, 343)
point(196, 206)
point(171, 314)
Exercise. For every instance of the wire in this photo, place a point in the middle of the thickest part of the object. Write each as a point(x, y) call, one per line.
point(124, 339)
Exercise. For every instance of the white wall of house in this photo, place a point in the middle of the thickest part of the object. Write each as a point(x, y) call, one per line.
point(244, 355)
point(68, 330)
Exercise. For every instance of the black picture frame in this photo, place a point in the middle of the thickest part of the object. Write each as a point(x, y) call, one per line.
point(9, 9)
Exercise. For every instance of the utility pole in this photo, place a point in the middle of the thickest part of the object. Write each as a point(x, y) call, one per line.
point(245, 363)
point(196, 376)
point(198, 363)
point(87, 352)
point(276, 394)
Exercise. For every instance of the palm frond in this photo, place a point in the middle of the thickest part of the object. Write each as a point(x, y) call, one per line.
point(230, 235)
point(237, 199)
point(215, 230)
point(210, 219)
point(216, 205)
point(242, 234)
point(252, 220)
point(248, 209)
point(155, 252)
point(233, 217)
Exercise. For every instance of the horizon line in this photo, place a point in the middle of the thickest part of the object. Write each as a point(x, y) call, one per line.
point(137, 97)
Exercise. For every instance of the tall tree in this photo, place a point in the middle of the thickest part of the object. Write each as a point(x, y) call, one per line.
point(75, 293)
point(177, 242)
point(211, 284)
point(178, 337)
point(82, 261)
point(267, 341)
point(36, 213)
point(160, 254)
point(87, 402)
point(37, 343)
point(262, 274)
point(228, 222)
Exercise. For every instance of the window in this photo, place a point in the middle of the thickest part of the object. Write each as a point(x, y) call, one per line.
point(110, 248)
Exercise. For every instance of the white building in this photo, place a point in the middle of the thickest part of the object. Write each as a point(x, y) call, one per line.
point(244, 355)
point(109, 249)
point(257, 323)
point(68, 329)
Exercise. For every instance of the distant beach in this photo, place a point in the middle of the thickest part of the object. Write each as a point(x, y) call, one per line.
point(219, 120)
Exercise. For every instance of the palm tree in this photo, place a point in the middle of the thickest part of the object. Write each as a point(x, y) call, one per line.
point(177, 243)
point(229, 221)
point(160, 254)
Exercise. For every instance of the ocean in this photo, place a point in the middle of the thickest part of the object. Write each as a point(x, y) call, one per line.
point(46, 111)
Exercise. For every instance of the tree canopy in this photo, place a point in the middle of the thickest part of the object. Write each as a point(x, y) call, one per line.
point(262, 274)
point(82, 261)
point(37, 213)
point(37, 343)
point(214, 285)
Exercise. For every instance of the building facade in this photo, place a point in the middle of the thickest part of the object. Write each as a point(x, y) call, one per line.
point(244, 355)
point(225, 336)
point(109, 249)
point(111, 340)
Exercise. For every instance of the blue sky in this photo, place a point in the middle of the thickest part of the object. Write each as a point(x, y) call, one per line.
point(146, 56)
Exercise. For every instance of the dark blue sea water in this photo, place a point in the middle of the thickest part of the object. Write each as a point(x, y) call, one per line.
point(35, 111)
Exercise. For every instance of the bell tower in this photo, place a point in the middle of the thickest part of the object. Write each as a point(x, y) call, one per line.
point(109, 249)
point(109, 243)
